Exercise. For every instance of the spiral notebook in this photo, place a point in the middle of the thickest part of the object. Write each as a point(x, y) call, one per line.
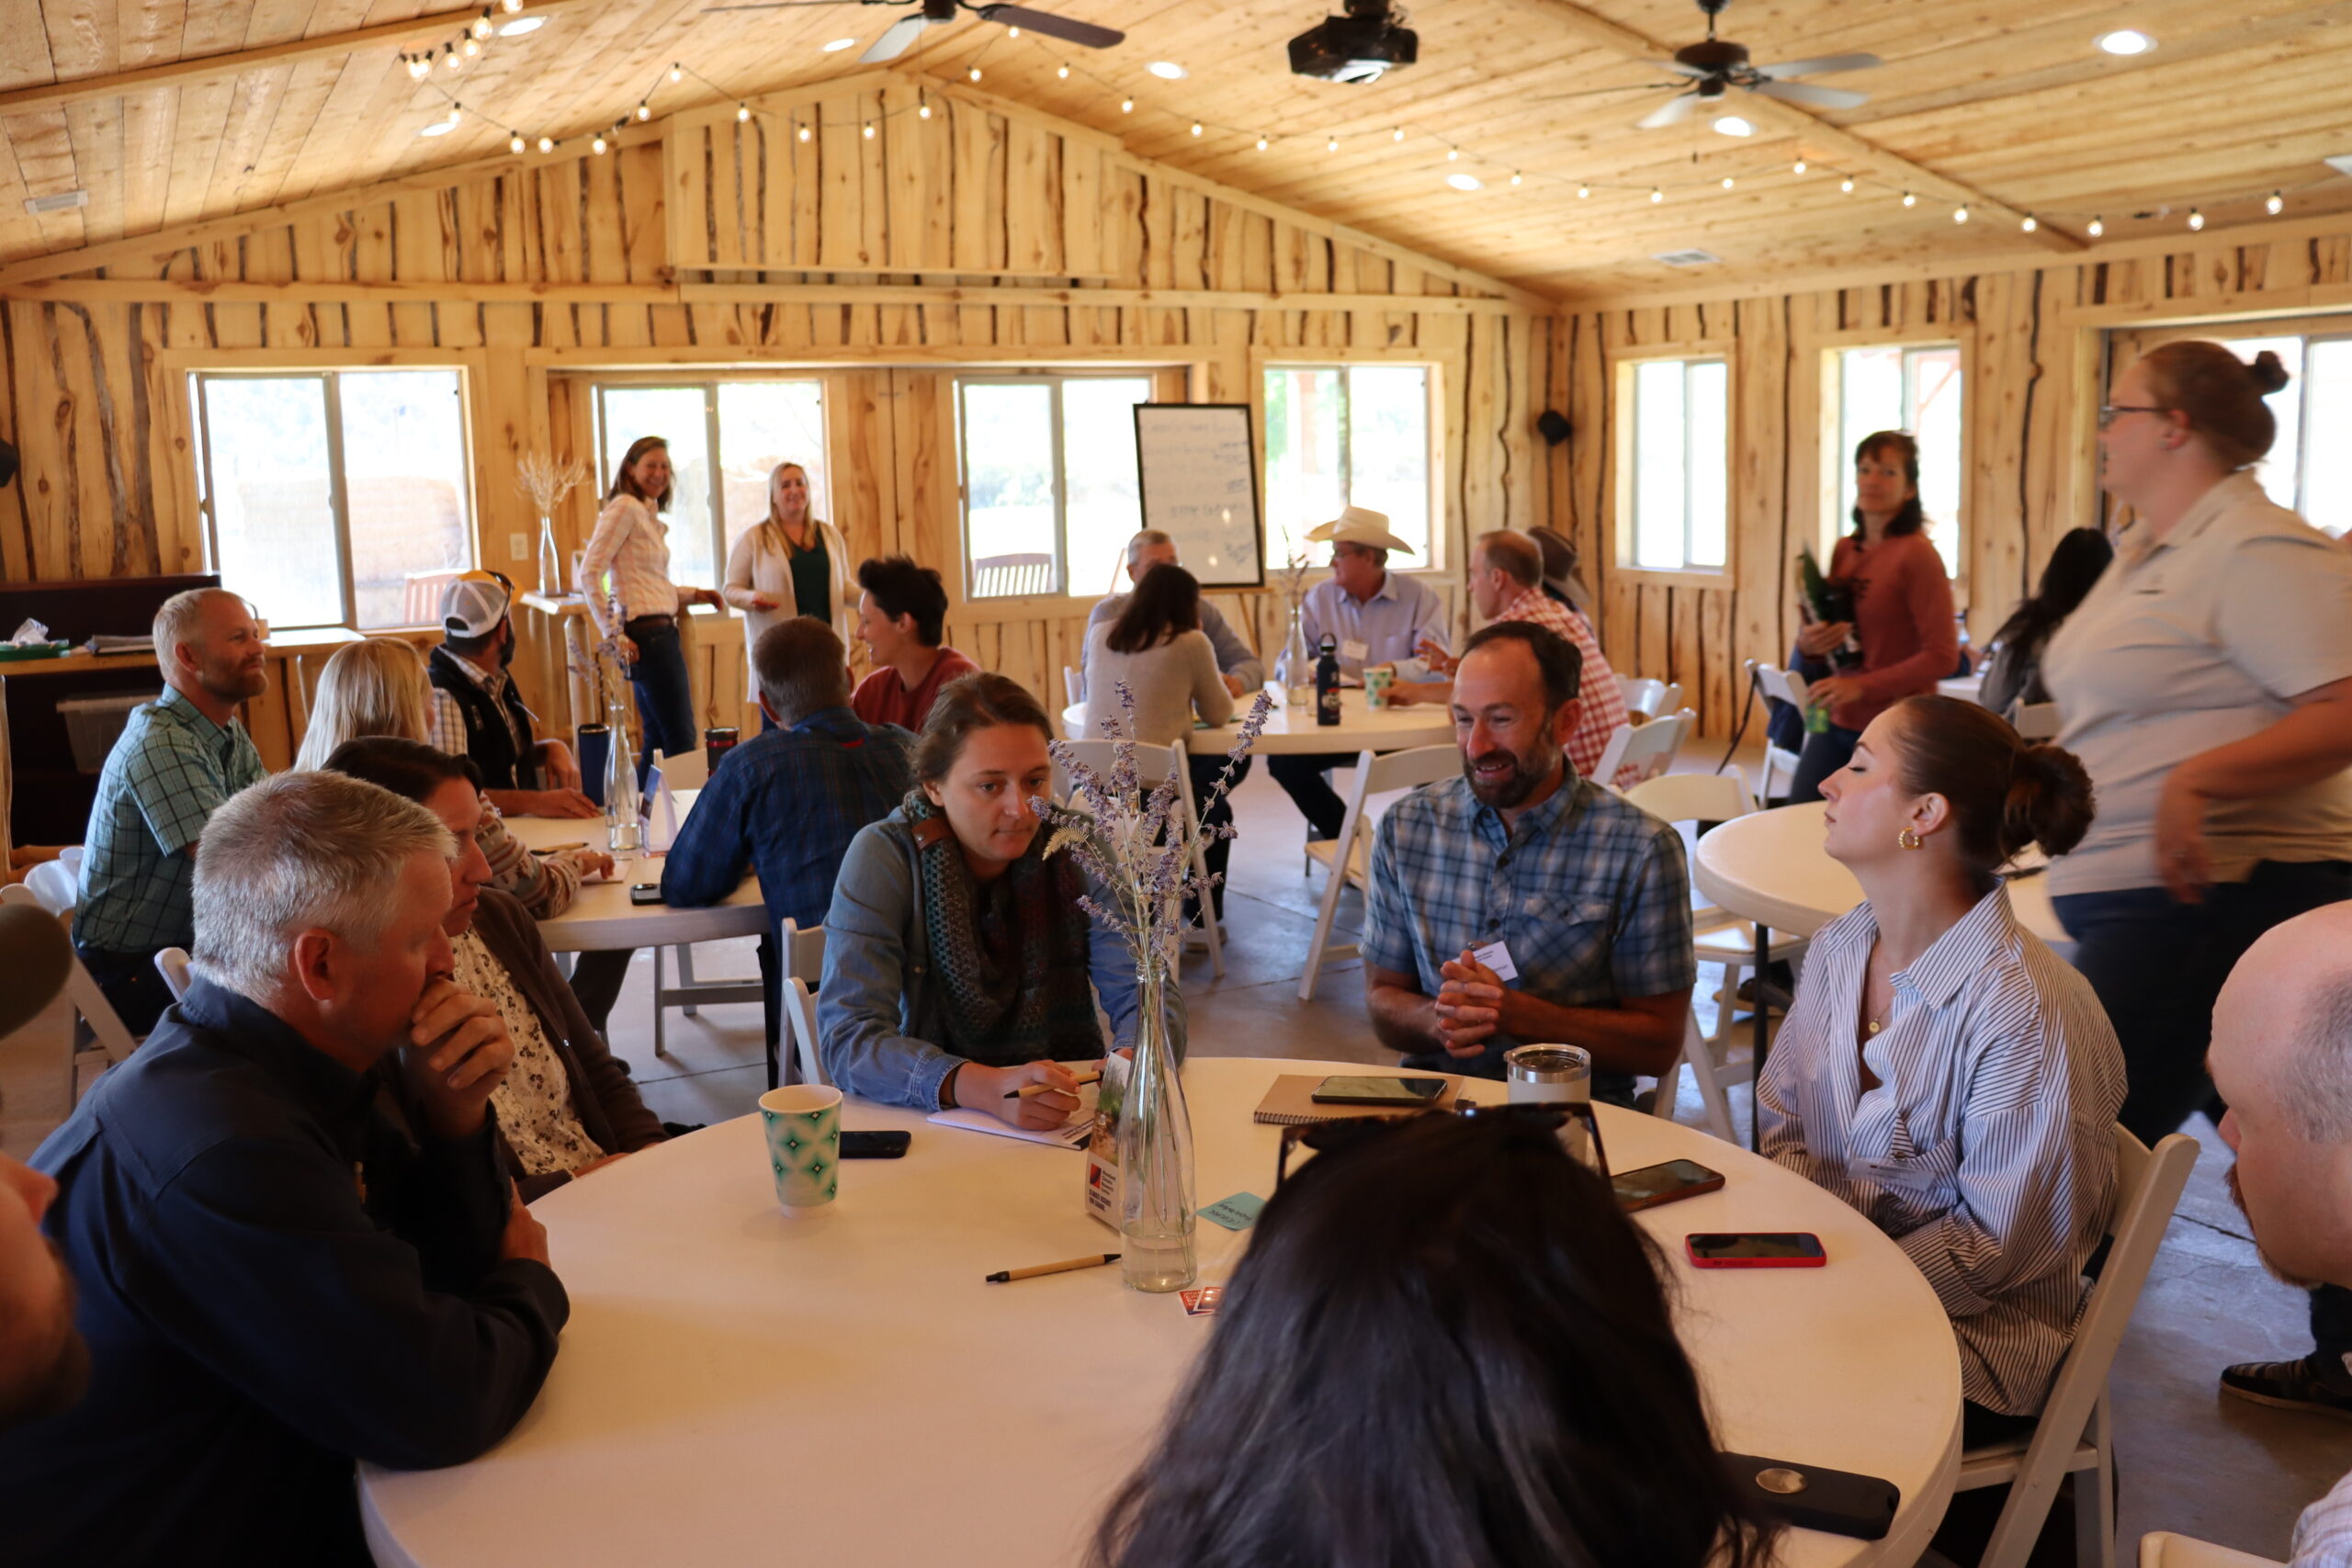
point(1291, 1101)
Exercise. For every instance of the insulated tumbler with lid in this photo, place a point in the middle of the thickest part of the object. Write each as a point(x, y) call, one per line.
point(1553, 1073)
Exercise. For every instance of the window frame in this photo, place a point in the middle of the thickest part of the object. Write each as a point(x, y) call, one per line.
point(1055, 377)
point(1836, 461)
point(1624, 369)
point(1441, 457)
point(328, 370)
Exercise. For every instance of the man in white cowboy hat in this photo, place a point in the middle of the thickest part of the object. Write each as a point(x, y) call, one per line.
point(1372, 616)
point(478, 713)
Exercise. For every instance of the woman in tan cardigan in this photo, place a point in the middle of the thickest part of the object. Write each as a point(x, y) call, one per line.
point(790, 564)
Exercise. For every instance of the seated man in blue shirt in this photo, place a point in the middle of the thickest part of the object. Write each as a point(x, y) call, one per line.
point(787, 803)
point(278, 1274)
point(178, 759)
point(1520, 903)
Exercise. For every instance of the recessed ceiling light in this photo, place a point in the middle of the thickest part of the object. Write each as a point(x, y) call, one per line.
point(840, 44)
point(522, 24)
point(1732, 125)
point(1465, 182)
point(1167, 70)
point(438, 128)
point(2126, 40)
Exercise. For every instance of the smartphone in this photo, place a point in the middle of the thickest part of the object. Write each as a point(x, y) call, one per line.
point(645, 892)
point(1817, 1498)
point(1655, 1184)
point(1755, 1249)
point(874, 1145)
point(1378, 1091)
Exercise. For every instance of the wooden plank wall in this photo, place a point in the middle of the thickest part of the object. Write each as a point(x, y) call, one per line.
point(534, 274)
point(2034, 348)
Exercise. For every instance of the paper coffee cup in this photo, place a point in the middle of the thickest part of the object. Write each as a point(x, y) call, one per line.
point(803, 1122)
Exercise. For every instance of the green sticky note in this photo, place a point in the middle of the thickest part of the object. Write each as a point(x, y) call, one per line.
point(1238, 1213)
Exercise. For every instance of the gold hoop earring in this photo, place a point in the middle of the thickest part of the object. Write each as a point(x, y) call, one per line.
point(1909, 840)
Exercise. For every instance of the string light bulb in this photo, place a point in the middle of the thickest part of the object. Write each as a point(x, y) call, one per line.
point(449, 57)
point(1397, 133)
point(974, 73)
point(2277, 204)
point(869, 130)
point(923, 110)
point(456, 112)
point(677, 72)
point(644, 109)
point(482, 23)
point(1196, 128)
point(515, 142)
point(1656, 196)
point(2097, 227)
point(2196, 219)
point(1728, 182)
point(1012, 31)
point(1330, 144)
point(546, 143)
point(1062, 71)
point(419, 67)
point(804, 133)
point(597, 145)
point(472, 47)
point(1262, 144)
point(1583, 191)
point(2030, 223)
point(1960, 213)
point(742, 114)
point(509, 6)
point(1452, 153)
point(1126, 105)
point(1516, 178)
point(1847, 185)
point(1800, 168)
point(1910, 201)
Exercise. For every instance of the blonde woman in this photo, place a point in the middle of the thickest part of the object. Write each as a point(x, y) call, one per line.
point(792, 563)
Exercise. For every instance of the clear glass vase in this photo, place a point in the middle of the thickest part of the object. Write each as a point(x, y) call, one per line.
point(551, 583)
point(1155, 1242)
point(1294, 665)
point(623, 813)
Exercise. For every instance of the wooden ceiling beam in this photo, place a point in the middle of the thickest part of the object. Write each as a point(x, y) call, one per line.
point(178, 72)
point(1821, 139)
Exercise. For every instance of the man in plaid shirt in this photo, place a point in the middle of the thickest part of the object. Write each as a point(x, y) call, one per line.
point(178, 759)
point(1521, 903)
point(2281, 1059)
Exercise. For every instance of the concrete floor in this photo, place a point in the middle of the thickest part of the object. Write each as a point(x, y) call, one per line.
point(2192, 1461)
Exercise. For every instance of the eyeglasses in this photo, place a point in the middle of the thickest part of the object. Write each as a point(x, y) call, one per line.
point(2109, 414)
point(1353, 1131)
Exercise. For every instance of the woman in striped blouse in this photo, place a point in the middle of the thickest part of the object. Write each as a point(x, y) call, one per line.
point(1942, 1070)
point(641, 612)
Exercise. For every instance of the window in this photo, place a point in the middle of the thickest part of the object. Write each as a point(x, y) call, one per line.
point(1678, 473)
point(1050, 493)
point(1913, 388)
point(1342, 435)
point(725, 438)
point(2312, 475)
point(337, 498)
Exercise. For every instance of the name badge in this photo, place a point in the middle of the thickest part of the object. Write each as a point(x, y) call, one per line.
point(1496, 956)
point(1353, 651)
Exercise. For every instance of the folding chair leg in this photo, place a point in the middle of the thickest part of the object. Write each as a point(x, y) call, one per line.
point(1701, 1057)
point(661, 1046)
point(685, 952)
point(2095, 1498)
point(1323, 916)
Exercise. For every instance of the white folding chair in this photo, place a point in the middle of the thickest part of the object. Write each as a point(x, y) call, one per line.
point(1719, 937)
point(2162, 1548)
point(2077, 1432)
point(1348, 858)
point(689, 770)
point(801, 954)
point(98, 1029)
point(1777, 683)
point(1649, 749)
point(1670, 700)
point(171, 964)
point(2039, 721)
point(55, 885)
point(1154, 763)
point(1642, 696)
point(1073, 685)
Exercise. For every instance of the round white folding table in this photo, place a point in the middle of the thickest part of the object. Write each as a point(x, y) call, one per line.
point(1292, 730)
point(602, 918)
point(737, 1385)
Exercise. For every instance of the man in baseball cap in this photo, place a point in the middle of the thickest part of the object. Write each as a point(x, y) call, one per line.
point(1372, 617)
point(478, 713)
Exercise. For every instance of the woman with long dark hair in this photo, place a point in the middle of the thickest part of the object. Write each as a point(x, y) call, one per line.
point(2015, 675)
point(640, 612)
point(1446, 1347)
point(1903, 615)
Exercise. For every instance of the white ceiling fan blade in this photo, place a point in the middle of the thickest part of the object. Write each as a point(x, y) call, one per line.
point(899, 38)
point(1674, 111)
point(1812, 96)
point(1821, 66)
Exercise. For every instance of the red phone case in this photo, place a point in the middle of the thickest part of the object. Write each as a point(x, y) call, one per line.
point(1698, 1262)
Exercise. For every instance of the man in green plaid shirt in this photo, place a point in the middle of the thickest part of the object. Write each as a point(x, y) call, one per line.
point(1520, 903)
point(179, 758)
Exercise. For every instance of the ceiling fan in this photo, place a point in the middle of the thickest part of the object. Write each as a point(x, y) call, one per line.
point(1720, 64)
point(900, 35)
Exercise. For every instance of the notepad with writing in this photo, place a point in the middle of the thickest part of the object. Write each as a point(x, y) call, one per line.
point(1291, 1101)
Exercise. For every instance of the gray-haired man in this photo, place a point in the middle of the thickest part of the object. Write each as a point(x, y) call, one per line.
point(1239, 667)
point(276, 1275)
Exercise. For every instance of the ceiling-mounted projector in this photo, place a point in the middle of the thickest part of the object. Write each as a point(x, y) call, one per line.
point(1358, 47)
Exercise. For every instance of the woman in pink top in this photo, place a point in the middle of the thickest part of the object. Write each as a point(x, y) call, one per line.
point(1902, 615)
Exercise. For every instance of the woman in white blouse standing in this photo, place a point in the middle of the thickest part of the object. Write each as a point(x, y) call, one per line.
point(791, 563)
point(1942, 1070)
point(641, 614)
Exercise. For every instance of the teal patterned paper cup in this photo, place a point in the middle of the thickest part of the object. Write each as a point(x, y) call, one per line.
point(804, 1132)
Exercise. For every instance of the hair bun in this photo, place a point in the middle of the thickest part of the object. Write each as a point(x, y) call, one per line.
point(2050, 803)
point(2269, 372)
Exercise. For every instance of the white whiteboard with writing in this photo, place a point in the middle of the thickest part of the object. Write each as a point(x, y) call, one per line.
point(1198, 472)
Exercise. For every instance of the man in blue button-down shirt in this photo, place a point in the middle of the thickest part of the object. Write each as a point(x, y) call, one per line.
point(176, 760)
point(1520, 903)
point(787, 803)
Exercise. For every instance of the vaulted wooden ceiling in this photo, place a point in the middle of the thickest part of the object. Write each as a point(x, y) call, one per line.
point(2005, 104)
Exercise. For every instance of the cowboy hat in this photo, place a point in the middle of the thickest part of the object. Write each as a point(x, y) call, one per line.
point(1561, 579)
point(1360, 525)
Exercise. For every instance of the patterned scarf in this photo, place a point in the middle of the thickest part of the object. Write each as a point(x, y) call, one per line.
point(1011, 955)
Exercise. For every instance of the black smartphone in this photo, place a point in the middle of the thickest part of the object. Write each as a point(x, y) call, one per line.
point(875, 1144)
point(1815, 1498)
point(1755, 1249)
point(1337, 1090)
point(1655, 1184)
point(645, 892)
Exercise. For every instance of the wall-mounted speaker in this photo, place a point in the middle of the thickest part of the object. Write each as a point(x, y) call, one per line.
point(1553, 426)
